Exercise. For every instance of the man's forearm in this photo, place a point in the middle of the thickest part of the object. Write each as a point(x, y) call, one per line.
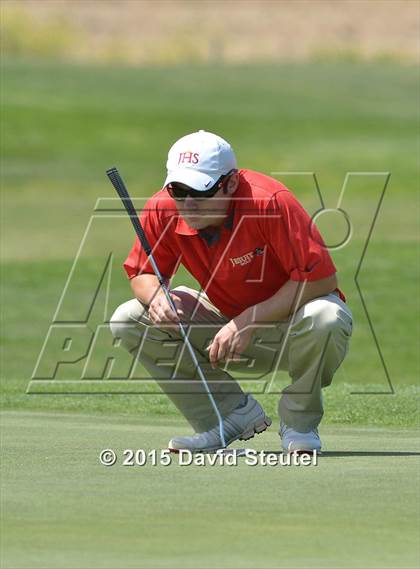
point(282, 304)
point(145, 287)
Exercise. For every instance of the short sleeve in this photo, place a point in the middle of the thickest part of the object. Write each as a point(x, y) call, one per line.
point(296, 240)
point(166, 259)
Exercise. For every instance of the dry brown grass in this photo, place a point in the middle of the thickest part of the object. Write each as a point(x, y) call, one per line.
point(165, 31)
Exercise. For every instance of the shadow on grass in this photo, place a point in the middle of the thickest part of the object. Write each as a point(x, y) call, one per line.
point(348, 453)
point(345, 453)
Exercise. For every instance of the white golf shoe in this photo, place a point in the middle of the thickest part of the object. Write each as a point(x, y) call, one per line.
point(294, 441)
point(242, 423)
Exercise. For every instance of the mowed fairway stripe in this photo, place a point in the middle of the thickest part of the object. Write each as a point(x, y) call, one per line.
point(62, 509)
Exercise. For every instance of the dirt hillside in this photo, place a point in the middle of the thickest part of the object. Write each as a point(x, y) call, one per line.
point(165, 31)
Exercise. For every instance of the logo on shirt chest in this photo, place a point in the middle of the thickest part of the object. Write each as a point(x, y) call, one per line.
point(247, 257)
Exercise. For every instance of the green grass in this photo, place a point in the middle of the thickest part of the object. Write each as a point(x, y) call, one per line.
point(65, 124)
point(60, 504)
point(62, 126)
point(39, 285)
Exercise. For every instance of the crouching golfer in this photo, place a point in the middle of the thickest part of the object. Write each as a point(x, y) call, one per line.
point(269, 298)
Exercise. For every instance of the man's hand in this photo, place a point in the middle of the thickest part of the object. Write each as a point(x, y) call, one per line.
point(160, 312)
point(230, 342)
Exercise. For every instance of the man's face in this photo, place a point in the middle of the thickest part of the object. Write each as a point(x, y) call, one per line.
point(200, 213)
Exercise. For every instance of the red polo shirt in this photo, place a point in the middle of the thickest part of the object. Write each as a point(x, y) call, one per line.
point(266, 239)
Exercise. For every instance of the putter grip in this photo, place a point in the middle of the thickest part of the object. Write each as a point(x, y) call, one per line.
point(119, 186)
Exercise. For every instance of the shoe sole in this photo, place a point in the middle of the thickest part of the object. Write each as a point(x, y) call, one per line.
point(256, 429)
point(302, 450)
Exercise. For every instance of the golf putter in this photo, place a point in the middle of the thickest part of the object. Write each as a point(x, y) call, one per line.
point(121, 190)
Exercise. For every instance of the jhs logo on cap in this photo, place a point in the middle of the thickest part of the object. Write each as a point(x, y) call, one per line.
point(188, 157)
point(199, 160)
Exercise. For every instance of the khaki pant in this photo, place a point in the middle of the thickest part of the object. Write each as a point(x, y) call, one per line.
point(310, 346)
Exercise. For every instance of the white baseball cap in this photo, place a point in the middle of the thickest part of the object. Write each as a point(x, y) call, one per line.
point(199, 159)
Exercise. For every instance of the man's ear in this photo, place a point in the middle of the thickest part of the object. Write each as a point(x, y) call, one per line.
point(232, 184)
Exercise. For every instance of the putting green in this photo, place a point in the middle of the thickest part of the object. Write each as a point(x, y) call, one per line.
point(62, 508)
point(64, 124)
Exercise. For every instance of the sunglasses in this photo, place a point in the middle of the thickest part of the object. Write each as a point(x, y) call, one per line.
point(179, 191)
